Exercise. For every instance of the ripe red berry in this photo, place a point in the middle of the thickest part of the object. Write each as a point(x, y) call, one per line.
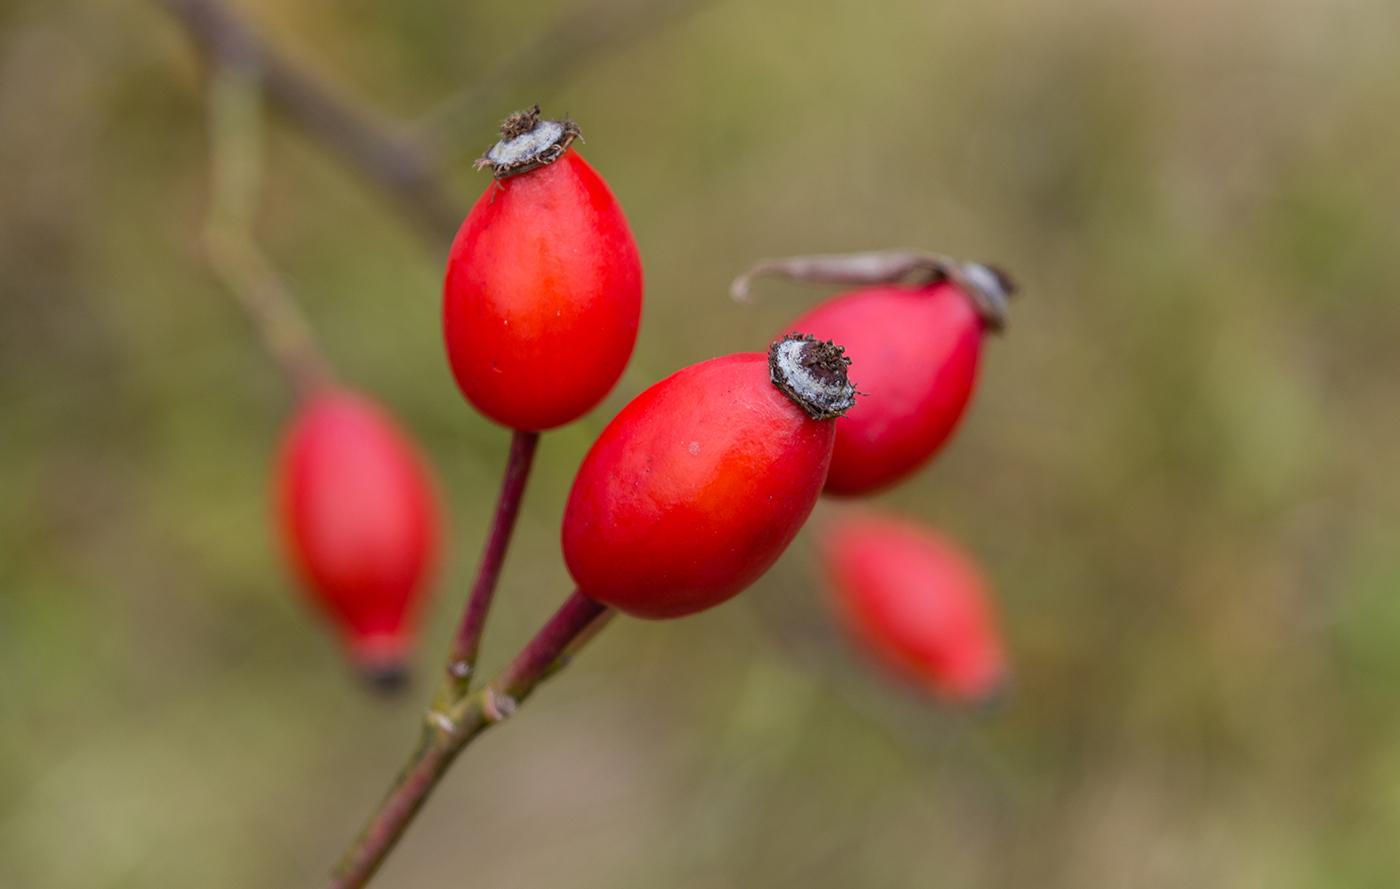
point(360, 523)
point(917, 348)
point(700, 483)
point(543, 292)
point(918, 603)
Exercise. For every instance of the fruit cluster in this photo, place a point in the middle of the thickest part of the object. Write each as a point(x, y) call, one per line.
point(700, 483)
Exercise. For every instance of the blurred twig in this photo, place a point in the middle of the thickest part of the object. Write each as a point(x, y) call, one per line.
point(405, 167)
point(235, 117)
point(578, 37)
point(401, 167)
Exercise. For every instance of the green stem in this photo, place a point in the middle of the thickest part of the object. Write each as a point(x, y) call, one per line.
point(235, 151)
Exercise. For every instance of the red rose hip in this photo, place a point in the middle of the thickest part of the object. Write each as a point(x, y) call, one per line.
point(700, 483)
point(360, 523)
point(917, 347)
point(917, 603)
point(543, 291)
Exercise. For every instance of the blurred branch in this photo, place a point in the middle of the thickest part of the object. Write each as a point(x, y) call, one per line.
point(235, 118)
point(451, 726)
point(405, 168)
point(401, 167)
point(576, 39)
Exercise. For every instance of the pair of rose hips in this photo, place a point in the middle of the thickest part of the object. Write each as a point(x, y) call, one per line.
point(908, 593)
point(699, 484)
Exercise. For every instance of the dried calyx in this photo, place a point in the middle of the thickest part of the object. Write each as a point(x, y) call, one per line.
point(386, 678)
point(812, 373)
point(989, 288)
point(528, 143)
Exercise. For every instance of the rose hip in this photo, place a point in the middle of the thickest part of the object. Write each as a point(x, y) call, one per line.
point(543, 291)
point(702, 481)
point(917, 346)
point(917, 603)
point(360, 523)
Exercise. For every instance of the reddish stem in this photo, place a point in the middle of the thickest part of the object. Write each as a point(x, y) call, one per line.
point(451, 729)
point(572, 621)
point(467, 644)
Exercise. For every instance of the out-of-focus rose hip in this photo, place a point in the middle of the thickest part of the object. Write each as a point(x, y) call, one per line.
point(360, 523)
point(917, 345)
point(917, 603)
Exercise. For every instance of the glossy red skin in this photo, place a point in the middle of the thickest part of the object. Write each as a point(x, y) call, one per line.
point(694, 490)
point(918, 603)
point(359, 520)
point(914, 355)
point(542, 297)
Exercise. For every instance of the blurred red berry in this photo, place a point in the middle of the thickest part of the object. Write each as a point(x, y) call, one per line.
point(543, 292)
point(700, 483)
point(917, 349)
point(915, 331)
point(918, 603)
point(360, 522)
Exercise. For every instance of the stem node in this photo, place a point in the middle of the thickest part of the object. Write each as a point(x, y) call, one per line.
point(498, 707)
point(441, 722)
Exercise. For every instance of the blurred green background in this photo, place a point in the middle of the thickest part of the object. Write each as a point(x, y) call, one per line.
point(1180, 472)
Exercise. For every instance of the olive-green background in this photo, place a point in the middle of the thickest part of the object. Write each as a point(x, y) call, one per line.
point(1180, 470)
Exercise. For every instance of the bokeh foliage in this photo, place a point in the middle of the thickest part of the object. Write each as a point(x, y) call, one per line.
point(1180, 471)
